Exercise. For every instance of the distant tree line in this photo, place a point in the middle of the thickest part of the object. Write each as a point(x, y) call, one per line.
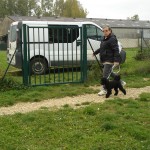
point(135, 17)
point(62, 8)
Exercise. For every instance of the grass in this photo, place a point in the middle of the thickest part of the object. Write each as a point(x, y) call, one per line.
point(3, 63)
point(133, 66)
point(12, 91)
point(114, 125)
point(135, 72)
point(35, 94)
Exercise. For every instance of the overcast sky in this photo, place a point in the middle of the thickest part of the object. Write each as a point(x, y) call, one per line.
point(117, 9)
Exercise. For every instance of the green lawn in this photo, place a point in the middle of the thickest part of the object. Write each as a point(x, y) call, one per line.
point(114, 125)
point(35, 94)
point(133, 66)
point(3, 63)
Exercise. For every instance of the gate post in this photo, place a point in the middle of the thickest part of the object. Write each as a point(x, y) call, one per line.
point(84, 39)
point(25, 61)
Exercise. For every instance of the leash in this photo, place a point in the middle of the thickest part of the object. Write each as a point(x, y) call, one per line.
point(112, 70)
point(95, 55)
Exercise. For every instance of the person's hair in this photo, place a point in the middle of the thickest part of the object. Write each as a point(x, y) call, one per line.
point(109, 28)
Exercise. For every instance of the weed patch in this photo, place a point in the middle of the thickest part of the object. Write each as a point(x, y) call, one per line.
point(108, 126)
point(9, 84)
point(89, 111)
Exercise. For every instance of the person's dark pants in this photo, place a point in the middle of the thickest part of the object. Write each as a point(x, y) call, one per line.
point(107, 71)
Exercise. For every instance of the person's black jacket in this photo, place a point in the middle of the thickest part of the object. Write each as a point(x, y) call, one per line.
point(109, 50)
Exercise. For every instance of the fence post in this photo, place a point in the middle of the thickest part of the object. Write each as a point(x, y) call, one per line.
point(141, 40)
point(84, 40)
point(25, 61)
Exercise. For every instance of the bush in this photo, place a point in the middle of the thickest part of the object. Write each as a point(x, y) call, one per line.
point(145, 54)
point(94, 72)
point(9, 84)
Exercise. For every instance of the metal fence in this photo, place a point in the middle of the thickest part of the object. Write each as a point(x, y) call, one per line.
point(137, 38)
point(60, 54)
point(59, 57)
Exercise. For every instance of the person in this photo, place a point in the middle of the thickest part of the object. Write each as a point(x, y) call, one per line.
point(109, 54)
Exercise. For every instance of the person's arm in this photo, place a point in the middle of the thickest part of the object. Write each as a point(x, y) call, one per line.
point(115, 49)
point(96, 52)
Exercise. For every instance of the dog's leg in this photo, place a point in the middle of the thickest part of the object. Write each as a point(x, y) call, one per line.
point(116, 91)
point(108, 93)
point(122, 89)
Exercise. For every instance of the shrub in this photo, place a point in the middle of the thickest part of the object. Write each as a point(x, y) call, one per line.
point(8, 84)
point(94, 72)
point(145, 54)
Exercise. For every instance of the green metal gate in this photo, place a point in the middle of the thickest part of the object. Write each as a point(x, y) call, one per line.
point(54, 54)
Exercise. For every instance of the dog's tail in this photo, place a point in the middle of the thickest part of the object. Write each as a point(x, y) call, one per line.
point(117, 78)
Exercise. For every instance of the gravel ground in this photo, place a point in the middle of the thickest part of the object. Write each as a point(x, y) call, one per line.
point(74, 102)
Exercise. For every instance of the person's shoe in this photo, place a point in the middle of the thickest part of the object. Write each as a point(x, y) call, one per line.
point(123, 83)
point(102, 92)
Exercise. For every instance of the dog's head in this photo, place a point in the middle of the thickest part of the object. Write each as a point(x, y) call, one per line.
point(104, 81)
point(117, 78)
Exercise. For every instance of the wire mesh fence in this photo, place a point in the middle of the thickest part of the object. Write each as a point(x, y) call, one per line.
point(134, 38)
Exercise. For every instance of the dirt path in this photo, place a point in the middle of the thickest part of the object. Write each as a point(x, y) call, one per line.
point(71, 101)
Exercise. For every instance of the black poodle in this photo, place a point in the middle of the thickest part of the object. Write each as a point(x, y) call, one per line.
point(115, 84)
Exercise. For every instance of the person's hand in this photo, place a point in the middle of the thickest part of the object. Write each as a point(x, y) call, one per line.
point(116, 63)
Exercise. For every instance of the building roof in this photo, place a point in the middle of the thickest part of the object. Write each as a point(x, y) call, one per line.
point(115, 23)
